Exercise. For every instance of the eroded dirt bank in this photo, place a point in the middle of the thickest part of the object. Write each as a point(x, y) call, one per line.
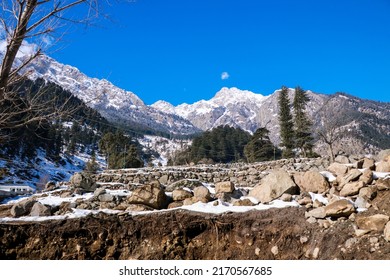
point(271, 234)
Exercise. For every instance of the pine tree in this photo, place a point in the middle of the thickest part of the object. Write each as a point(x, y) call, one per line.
point(286, 124)
point(303, 136)
point(92, 166)
point(120, 151)
point(260, 147)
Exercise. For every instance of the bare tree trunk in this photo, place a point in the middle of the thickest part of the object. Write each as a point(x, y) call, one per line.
point(15, 43)
point(331, 153)
point(27, 19)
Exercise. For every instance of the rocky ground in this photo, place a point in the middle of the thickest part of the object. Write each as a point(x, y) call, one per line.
point(340, 212)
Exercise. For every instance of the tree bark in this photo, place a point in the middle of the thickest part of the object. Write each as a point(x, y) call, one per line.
point(16, 41)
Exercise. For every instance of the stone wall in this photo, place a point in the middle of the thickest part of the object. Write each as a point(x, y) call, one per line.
point(244, 175)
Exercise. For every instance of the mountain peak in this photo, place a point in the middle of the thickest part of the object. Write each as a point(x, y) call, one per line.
point(236, 95)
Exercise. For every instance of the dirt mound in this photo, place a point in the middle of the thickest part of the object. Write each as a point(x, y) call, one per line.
point(271, 234)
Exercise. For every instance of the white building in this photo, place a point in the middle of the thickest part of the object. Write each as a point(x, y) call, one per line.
point(14, 190)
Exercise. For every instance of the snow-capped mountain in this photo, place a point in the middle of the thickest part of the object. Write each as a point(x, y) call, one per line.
point(115, 104)
point(238, 108)
point(367, 121)
point(230, 106)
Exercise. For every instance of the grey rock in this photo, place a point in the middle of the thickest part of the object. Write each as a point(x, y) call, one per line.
point(339, 208)
point(352, 188)
point(342, 159)
point(273, 186)
point(386, 232)
point(338, 169)
point(22, 208)
point(313, 181)
point(151, 195)
point(369, 163)
point(202, 193)
point(383, 166)
point(180, 195)
point(39, 210)
point(224, 187)
point(106, 197)
point(318, 213)
point(372, 223)
point(83, 181)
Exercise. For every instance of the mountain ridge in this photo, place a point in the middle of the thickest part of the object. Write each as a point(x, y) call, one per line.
point(115, 104)
point(229, 106)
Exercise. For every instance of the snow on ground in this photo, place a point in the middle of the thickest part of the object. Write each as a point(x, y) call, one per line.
point(54, 200)
point(77, 213)
point(43, 170)
point(328, 175)
point(223, 207)
point(319, 197)
point(163, 146)
point(381, 175)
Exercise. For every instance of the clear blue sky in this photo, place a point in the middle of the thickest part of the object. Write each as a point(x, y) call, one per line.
point(176, 50)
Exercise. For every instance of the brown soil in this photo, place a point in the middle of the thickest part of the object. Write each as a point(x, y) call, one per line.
point(188, 235)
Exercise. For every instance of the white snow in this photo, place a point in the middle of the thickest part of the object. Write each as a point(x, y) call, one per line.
point(381, 175)
point(223, 207)
point(76, 213)
point(328, 175)
point(319, 197)
point(53, 200)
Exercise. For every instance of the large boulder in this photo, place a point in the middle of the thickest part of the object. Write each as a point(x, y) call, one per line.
point(386, 232)
point(383, 166)
point(313, 181)
point(353, 175)
point(383, 184)
point(224, 187)
point(39, 210)
point(273, 186)
point(202, 194)
point(50, 186)
point(373, 223)
point(339, 208)
point(368, 163)
point(185, 183)
point(384, 155)
point(352, 188)
point(180, 195)
point(342, 159)
point(318, 213)
point(83, 181)
point(22, 208)
point(151, 195)
point(368, 193)
point(106, 197)
point(367, 176)
point(338, 169)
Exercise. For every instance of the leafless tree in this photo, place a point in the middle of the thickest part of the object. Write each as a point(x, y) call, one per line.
point(30, 20)
point(333, 117)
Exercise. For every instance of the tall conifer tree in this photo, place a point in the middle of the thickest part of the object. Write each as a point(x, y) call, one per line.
point(286, 124)
point(303, 136)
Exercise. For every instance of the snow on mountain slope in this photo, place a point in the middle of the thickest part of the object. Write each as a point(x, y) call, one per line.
point(115, 104)
point(230, 106)
point(238, 108)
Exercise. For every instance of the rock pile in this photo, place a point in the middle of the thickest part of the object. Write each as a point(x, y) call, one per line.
point(244, 175)
point(349, 194)
point(343, 190)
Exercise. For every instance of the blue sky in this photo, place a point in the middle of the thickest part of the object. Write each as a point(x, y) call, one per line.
point(177, 50)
